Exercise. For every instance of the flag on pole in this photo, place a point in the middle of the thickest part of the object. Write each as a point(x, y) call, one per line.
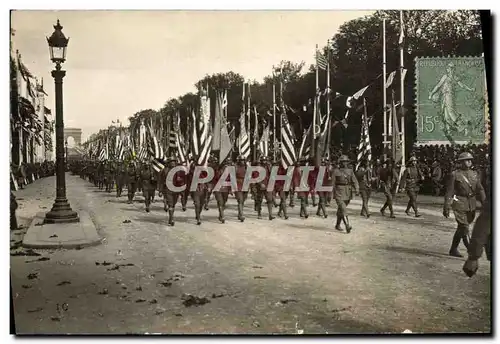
point(355, 96)
point(390, 79)
point(288, 157)
point(321, 61)
point(243, 139)
point(305, 146)
point(364, 147)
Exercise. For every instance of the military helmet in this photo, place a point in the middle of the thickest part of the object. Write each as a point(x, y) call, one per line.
point(343, 158)
point(465, 156)
point(413, 158)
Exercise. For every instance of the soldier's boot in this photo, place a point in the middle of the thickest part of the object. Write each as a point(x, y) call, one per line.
point(171, 217)
point(207, 199)
point(197, 210)
point(240, 212)
point(148, 203)
point(392, 212)
point(417, 214)
point(313, 196)
point(454, 245)
point(337, 225)
point(221, 214)
point(283, 207)
point(348, 226)
point(130, 198)
point(367, 213)
point(301, 209)
point(324, 210)
point(292, 200)
point(306, 215)
point(408, 208)
point(270, 210)
point(165, 204)
point(465, 240)
point(275, 203)
point(184, 202)
point(382, 210)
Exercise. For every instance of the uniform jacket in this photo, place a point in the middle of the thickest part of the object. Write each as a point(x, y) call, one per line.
point(344, 181)
point(463, 188)
point(411, 177)
point(364, 176)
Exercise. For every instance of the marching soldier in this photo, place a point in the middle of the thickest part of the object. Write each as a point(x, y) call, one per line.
point(279, 188)
point(365, 180)
point(100, 175)
point(241, 195)
point(148, 184)
point(313, 175)
point(388, 182)
point(132, 176)
point(409, 181)
point(170, 196)
point(222, 194)
point(199, 195)
point(120, 176)
point(463, 188)
point(108, 176)
point(436, 175)
point(262, 191)
point(212, 162)
point(292, 188)
point(185, 193)
point(296, 182)
point(327, 182)
point(344, 181)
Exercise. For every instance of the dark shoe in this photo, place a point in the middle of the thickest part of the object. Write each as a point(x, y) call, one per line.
point(382, 211)
point(171, 223)
point(242, 219)
point(271, 218)
point(417, 215)
point(339, 228)
point(183, 208)
point(147, 210)
point(407, 212)
point(306, 216)
point(198, 222)
point(455, 253)
point(348, 229)
point(392, 216)
point(286, 217)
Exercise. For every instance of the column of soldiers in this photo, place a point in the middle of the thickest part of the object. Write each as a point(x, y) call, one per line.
point(464, 185)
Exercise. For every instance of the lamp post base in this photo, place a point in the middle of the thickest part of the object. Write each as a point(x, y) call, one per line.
point(61, 212)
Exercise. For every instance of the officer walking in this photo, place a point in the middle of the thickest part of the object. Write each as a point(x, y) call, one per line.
point(241, 195)
point(279, 188)
point(388, 182)
point(132, 177)
point(365, 180)
point(411, 177)
point(222, 194)
point(327, 182)
point(120, 176)
point(262, 191)
point(344, 180)
point(436, 175)
point(463, 187)
point(171, 196)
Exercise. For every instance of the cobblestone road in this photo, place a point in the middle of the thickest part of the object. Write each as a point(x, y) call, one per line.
point(294, 276)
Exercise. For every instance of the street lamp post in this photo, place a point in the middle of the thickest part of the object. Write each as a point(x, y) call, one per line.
point(61, 211)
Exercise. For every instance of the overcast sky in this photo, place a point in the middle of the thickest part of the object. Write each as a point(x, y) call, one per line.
point(120, 62)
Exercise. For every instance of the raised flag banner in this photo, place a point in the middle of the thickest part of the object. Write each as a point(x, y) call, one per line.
point(321, 61)
point(390, 79)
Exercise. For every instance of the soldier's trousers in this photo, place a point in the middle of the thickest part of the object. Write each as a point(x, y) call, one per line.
point(184, 199)
point(208, 194)
point(241, 197)
point(221, 198)
point(109, 184)
point(412, 201)
point(342, 207)
point(436, 185)
point(481, 236)
point(464, 219)
point(365, 197)
point(322, 203)
point(269, 200)
point(292, 197)
point(148, 192)
point(170, 199)
point(131, 188)
point(119, 188)
point(282, 195)
point(389, 195)
point(303, 205)
point(199, 198)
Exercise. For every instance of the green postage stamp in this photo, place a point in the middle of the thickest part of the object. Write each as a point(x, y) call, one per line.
point(451, 99)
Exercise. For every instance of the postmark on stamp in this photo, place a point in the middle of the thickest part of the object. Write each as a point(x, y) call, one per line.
point(451, 99)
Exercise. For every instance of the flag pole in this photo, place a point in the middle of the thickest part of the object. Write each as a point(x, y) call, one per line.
point(401, 58)
point(247, 114)
point(274, 116)
point(313, 136)
point(283, 113)
point(328, 133)
point(384, 80)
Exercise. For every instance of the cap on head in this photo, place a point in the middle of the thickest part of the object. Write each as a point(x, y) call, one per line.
point(413, 159)
point(344, 158)
point(465, 156)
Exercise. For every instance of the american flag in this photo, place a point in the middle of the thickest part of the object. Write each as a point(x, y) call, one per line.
point(288, 143)
point(244, 139)
point(305, 146)
point(321, 61)
point(364, 147)
point(202, 139)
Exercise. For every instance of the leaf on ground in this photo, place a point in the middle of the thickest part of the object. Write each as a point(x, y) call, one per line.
point(53, 236)
point(165, 284)
point(34, 310)
point(260, 277)
point(63, 283)
point(33, 276)
point(140, 300)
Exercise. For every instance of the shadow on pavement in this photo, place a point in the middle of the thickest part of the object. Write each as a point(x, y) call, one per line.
point(416, 251)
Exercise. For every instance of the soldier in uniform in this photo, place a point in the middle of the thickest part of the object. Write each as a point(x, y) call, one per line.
point(170, 196)
point(409, 181)
point(148, 184)
point(108, 176)
point(464, 186)
point(199, 195)
point(365, 180)
point(241, 195)
point(120, 176)
point(279, 188)
point(344, 180)
point(262, 191)
point(222, 194)
point(292, 188)
point(13, 208)
point(388, 182)
point(327, 182)
point(436, 175)
point(100, 175)
point(132, 176)
point(184, 194)
point(212, 162)
point(296, 182)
